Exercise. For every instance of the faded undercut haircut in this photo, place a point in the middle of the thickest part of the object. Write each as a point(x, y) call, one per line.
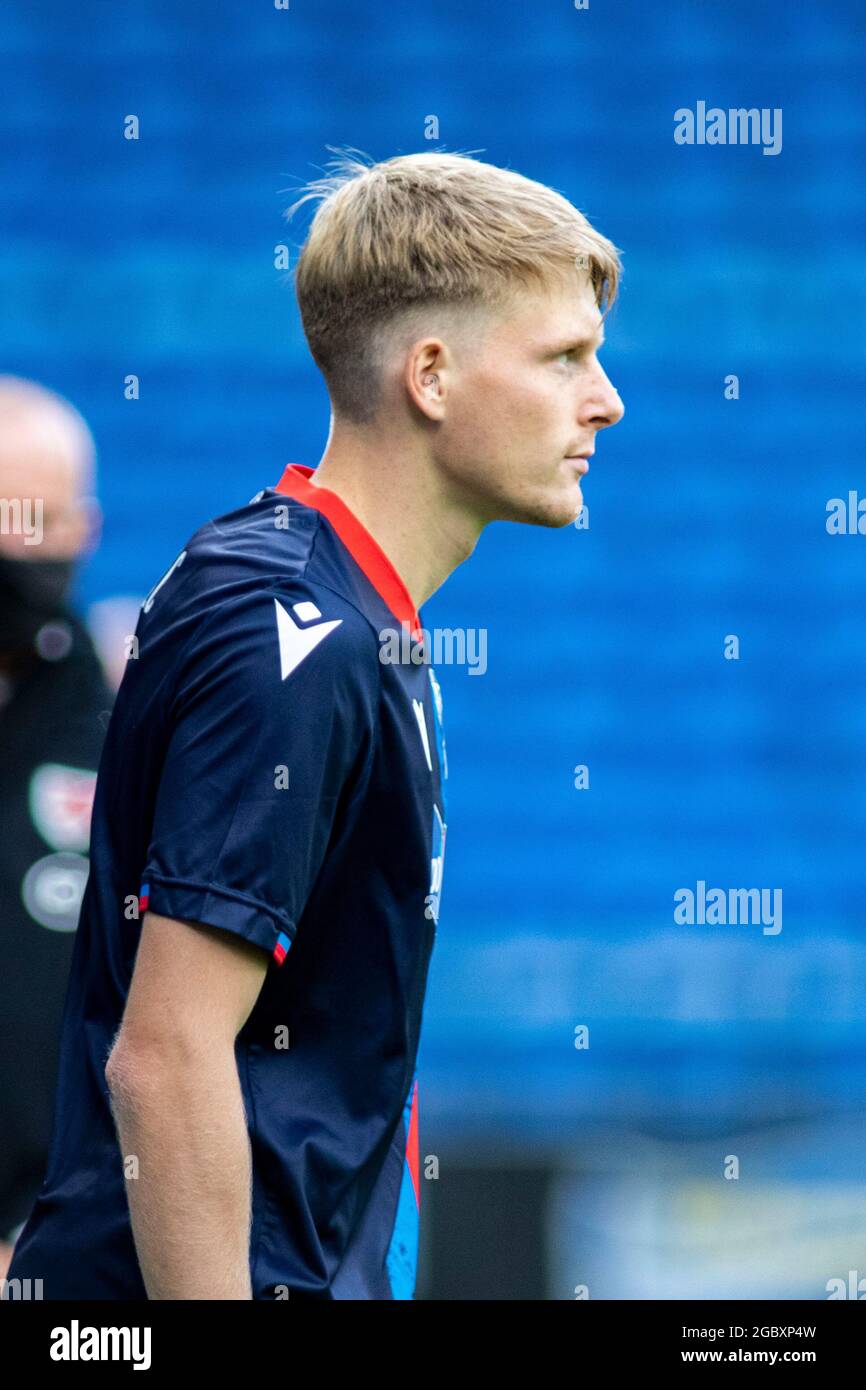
point(428, 228)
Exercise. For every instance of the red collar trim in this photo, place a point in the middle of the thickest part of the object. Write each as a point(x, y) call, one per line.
point(364, 550)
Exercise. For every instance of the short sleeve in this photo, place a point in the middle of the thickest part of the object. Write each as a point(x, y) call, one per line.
point(271, 727)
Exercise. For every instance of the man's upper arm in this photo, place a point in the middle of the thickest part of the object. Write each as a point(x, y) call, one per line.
point(190, 983)
point(271, 721)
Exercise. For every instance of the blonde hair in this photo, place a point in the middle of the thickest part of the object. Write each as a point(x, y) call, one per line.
point(427, 228)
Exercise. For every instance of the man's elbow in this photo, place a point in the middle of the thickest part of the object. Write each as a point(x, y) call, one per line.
point(135, 1072)
point(124, 1072)
point(164, 1063)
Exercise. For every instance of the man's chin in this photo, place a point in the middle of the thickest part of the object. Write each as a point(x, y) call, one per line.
point(554, 511)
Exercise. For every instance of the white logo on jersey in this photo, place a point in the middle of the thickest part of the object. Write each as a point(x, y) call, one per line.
point(53, 888)
point(418, 707)
point(297, 642)
point(437, 700)
point(61, 801)
point(437, 865)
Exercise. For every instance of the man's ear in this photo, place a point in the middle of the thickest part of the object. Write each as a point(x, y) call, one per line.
point(425, 376)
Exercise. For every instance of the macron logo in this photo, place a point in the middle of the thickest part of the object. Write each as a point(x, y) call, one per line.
point(297, 642)
point(418, 707)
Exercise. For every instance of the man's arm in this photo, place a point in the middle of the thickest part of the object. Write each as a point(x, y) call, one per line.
point(178, 1108)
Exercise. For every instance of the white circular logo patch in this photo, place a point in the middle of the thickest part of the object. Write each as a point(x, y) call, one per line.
point(52, 890)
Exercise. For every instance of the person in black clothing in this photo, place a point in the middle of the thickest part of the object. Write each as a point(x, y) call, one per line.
point(54, 706)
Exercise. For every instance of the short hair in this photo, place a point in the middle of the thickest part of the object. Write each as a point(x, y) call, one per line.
point(428, 228)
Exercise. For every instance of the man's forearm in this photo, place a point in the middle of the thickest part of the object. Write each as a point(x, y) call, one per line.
point(183, 1138)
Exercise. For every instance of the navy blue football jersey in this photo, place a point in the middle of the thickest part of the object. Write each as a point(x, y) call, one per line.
point(270, 769)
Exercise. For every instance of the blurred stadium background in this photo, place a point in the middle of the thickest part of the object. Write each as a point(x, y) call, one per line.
point(559, 1167)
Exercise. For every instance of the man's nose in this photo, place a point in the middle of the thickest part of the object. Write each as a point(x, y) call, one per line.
point(605, 406)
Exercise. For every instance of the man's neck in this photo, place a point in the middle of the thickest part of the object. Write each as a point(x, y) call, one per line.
point(420, 525)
